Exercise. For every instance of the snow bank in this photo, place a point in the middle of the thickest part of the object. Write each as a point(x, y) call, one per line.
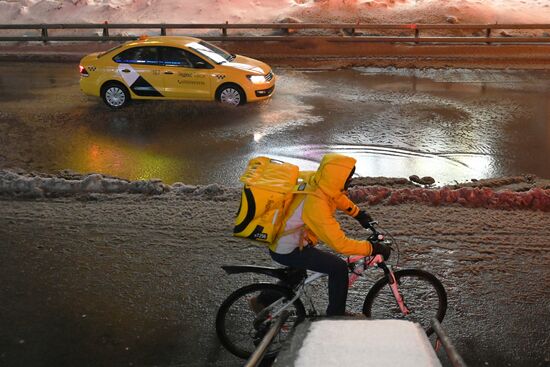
point(518, 192)
point(16, 184)
point(265, 11)
point(67, 183)
point(373, 191)
point(485, 197)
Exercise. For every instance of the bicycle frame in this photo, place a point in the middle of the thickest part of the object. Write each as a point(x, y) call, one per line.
point(372, 261)
point(363, 262)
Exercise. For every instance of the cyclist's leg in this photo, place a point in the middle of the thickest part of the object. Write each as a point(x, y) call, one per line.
point(324, 262)
point(264, 299)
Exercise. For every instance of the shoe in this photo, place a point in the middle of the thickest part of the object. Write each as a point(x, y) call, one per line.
point(354, 315)
point(255, 305)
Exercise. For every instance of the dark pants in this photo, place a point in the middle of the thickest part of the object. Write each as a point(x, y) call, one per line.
point(311, 258)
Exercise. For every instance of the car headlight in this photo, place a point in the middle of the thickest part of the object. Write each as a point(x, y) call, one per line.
point(256, 79)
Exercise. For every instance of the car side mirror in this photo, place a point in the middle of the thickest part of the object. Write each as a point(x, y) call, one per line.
point(201, 65)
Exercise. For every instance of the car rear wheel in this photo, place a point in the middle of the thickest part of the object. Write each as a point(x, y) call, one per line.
point(231, 95)
point(115, 95)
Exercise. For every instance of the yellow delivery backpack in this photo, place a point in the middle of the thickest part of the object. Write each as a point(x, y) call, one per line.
point(269, 186)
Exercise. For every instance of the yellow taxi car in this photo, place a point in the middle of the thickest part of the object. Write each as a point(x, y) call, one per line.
point(174, 68)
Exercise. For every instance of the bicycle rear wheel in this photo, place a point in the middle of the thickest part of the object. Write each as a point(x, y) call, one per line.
point(422, 292)
point(241, 325)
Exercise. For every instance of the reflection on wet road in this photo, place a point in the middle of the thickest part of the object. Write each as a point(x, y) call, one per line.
point(453, 125)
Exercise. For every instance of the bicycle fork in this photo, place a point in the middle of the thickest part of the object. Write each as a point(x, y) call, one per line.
point(392, 281)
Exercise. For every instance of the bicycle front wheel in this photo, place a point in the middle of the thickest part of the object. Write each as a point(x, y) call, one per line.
point(422, 293)
point(246, 315)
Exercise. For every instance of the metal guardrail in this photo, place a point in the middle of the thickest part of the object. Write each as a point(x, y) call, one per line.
point(260, 351)
point(290, 32)
point(256, 358)
point(455, 358)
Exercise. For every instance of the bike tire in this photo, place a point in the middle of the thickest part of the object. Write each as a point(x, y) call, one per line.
point(235, 313)
point(422, 292)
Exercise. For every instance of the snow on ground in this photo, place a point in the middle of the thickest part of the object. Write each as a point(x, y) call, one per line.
point(133, 279)
point(385, 342)
point(258, 11)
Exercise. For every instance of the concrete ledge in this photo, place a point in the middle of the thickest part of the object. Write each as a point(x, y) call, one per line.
point(355, 342)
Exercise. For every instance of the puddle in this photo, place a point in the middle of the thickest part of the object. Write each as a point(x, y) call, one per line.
point(453, 125)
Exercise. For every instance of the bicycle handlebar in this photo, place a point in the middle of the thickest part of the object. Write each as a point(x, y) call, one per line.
point(372, 225)
point(375, 235)
point(379, 237)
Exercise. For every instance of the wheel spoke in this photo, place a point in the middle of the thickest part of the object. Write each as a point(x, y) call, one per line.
point(230, 96)
point(115, 96)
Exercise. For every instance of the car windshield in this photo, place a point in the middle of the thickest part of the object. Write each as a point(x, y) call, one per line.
point(109, 50)
point(212, 52)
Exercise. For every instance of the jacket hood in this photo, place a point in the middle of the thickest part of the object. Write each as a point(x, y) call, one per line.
point(332, 174)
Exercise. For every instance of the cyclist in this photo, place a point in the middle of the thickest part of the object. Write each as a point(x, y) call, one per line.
point(310, 218)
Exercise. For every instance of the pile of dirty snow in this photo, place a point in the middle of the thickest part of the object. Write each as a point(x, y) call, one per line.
point(17, 183)
point(521, 192)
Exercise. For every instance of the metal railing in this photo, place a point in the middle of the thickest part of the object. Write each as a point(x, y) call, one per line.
point(408, 33)
point(455, 358)
point(261, 349)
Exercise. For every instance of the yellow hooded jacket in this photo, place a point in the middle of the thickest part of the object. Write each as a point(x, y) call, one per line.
point(324, 193)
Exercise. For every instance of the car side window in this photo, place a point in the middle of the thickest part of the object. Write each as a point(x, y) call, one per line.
point(138, 55)
point(172, 56)
point(197, 61)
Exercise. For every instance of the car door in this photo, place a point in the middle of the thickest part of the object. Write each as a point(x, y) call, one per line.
point(183, 78)
point(139, 67)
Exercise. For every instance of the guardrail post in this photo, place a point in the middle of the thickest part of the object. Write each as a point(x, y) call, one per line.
point(44, 34)
point(105, 30)
point(348, 31)
point(163, 31)
point(488, 34)
point(416, 34)
point(224, 29)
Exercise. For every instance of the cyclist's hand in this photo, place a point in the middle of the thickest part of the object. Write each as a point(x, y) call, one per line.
point(364, 218)
point(380, 249)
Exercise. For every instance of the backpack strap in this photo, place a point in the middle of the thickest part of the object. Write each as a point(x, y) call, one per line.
point(304, 189)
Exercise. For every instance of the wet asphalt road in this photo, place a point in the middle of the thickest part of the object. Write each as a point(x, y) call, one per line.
point(136, 281)
point(453, 125)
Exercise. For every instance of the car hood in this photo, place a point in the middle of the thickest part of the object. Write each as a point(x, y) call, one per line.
point(248, 64)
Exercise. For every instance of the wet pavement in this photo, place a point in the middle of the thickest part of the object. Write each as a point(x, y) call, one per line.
point(453, 125)
point(136, 281)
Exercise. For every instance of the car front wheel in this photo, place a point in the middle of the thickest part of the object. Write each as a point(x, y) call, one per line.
point(231, 95)
point(115, 95)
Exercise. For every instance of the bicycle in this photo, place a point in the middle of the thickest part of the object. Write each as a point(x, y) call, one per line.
point(413, 294)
